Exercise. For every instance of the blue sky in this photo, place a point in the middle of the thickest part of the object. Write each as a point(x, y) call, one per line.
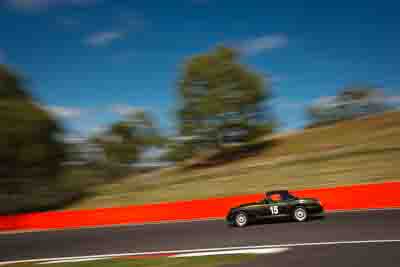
point(91, 61)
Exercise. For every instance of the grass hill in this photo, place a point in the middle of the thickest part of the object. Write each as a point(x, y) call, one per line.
point(364, 150)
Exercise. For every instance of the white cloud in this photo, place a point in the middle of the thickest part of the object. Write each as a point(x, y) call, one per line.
point(324, 100)
point(98, 129)
point(289, 104)
point(332, 100)
point(65, 112)
point(77, 112)
point(103, 38)
point(394, 99)
point(264, 43)
point(124, 110)
point(36, 5)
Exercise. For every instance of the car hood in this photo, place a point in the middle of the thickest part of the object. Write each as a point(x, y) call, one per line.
point(246, 205)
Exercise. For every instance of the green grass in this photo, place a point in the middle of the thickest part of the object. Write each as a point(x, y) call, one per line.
point(209, 261)
point(351, 152)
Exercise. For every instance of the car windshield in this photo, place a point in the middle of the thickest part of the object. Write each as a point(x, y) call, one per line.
point(279, 197)
point(288, 196)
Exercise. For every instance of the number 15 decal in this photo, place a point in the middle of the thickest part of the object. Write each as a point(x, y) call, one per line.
point(274, 210)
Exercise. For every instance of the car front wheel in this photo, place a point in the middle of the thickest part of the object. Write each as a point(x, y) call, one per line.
point(241, 219)
point(300, 214)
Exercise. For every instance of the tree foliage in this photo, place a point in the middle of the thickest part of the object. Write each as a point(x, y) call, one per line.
point(351, 102)
point(222, 99)
point(11, 86)
point(31, 150)
point(125, 140)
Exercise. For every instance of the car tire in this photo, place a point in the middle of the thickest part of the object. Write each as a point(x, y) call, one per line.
point(300, 214)
point(241, 219)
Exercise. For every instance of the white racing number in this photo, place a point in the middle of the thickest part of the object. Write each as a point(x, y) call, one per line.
point(274, 210)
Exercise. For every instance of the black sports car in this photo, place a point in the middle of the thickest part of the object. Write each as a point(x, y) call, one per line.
point(277, 204)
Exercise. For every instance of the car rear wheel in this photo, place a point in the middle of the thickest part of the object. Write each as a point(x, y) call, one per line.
point(241, 219)
point(300, 214)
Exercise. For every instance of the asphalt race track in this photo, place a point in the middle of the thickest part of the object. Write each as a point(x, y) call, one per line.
point(354, 226)
point(385, 255)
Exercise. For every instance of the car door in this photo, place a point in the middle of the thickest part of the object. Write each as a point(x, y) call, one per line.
point(257, 209)
point(283, 208)
point(277, 208)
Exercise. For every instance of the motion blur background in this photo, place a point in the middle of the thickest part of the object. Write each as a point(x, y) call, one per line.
point(108, 103)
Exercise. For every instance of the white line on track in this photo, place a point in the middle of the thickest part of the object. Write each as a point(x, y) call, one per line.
point(232, 252)
point(206, 250)
point(73, 260)
point(184, 255)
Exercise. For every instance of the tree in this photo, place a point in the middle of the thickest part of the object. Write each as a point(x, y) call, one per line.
point(31, 150)
point(351, 102)
point(145, 129)
point(222, 99)
point(125, 140)
point(120, 146)
point(11, 86)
